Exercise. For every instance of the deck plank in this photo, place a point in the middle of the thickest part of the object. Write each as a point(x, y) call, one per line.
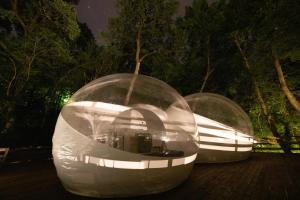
point(263, 176)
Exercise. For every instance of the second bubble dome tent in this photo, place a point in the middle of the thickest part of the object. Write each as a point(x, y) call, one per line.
point(225, 132)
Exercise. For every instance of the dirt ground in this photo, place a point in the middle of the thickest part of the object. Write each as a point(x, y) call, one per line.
point(263, 176)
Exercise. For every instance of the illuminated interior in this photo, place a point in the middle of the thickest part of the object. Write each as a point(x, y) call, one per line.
point(118, 138)
point(224, 130)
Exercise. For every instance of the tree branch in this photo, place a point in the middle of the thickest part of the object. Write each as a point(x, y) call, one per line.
point(14, 5)
point(31, 60)
point(237, 43)
point(13, 78)
point(284, 87)
point(147, 54)
point(209, 71)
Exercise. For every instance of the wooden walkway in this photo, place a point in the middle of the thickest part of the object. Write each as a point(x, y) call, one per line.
point(263, 176)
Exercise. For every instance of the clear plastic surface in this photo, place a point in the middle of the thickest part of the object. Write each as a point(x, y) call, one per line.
point(121, 135)
point(225, 131)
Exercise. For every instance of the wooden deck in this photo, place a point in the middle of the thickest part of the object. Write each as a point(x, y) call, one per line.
point(263, 176)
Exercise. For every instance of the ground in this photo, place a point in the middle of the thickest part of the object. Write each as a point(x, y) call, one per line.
point(263, 176)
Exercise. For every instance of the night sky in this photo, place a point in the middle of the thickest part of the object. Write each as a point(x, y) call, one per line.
point(96, 12)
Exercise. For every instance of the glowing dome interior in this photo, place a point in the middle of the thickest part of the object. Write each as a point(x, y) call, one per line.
point(127, 126)
point(220, 109)
point(225, 131)
point(99, 110)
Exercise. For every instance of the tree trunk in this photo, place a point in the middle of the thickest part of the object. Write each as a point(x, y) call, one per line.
point(209, 70)
point(137, 66)
point(9, 117)
point(138, 61)
point(290, 96)
point(261, 101)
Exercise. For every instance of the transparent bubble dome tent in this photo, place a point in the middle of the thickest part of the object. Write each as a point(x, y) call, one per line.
point(225, 131)
point(124, 135)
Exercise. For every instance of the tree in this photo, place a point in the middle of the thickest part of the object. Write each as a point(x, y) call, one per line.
point(141, 29)
point(265, 110)
point(253, 40)
point(34, 47)
point(203, 23)
point(278, 40)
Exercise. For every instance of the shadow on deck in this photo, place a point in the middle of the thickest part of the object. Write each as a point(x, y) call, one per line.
point(263, 176)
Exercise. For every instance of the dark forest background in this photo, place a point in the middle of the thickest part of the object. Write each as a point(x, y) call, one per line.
point(245, 50)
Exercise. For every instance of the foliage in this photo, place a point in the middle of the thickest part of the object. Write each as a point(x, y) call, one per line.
point(39, 44)
point(46, 55)
point(154, 19)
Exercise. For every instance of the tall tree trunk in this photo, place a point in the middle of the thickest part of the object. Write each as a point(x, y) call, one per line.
point(209, 70)
point(261, 101)
point(138, 61)
point(137, 66)
point(290, 96)
point(9, 117)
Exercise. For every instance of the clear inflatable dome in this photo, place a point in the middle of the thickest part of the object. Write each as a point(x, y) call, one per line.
point(225, 131)
point(120, 135)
